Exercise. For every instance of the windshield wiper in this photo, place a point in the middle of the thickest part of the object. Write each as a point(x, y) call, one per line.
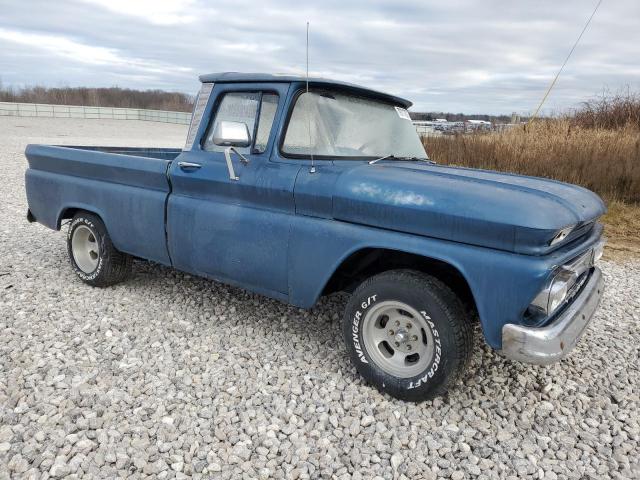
point(417, 159)
point(381, 158)
point(393, 157)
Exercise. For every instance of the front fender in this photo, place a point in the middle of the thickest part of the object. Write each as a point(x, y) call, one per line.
point(501, 283)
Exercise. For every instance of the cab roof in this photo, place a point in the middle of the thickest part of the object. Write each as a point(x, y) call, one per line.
point(237, 77)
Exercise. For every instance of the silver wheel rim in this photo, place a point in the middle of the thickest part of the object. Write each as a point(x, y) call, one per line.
point(85, 249)
point(398, 339)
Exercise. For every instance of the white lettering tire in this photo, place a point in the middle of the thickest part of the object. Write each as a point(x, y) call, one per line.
point(407, 334)
point(93, 257)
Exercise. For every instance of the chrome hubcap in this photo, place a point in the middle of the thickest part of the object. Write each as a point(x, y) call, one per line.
point(398, 339)
point(401, 337)
point(85, 249)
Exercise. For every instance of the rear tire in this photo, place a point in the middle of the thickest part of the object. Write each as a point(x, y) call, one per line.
point(407, 334)
point(93, 257)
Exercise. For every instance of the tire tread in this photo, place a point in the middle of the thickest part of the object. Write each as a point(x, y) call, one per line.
point(117, 265)
point(457, 318)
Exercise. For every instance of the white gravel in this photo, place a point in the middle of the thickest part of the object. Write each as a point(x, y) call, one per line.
point(173, 376)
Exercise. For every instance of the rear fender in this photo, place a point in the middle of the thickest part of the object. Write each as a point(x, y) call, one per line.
point(68, 212)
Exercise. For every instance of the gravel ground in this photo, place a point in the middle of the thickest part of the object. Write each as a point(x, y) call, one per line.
point(172, 376)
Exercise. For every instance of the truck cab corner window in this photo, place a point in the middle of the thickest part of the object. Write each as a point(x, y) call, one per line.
point(268, 109)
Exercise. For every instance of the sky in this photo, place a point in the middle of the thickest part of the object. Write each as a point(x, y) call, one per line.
point(490, 56)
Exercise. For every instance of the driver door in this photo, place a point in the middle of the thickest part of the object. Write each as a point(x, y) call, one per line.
point(235, 230)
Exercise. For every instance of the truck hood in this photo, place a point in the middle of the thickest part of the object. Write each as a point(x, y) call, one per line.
point(490, 209)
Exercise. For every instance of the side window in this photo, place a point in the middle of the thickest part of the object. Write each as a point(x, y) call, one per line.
point(234, 107)
point(243, 107)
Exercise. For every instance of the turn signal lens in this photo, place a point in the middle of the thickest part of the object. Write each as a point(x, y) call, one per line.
point(598, 249)
point(562, 234)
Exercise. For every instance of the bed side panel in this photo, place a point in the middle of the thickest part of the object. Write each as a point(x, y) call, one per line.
point(128, 193)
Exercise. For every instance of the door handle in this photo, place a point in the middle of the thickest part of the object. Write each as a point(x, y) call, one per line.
point(189, 165)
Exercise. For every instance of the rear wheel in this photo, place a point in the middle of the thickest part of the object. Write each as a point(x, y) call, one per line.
point(93, 257)
point(407, 334)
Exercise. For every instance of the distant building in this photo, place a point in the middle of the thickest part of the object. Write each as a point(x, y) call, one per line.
point(475, 125)
point(425, 127)
point(441, 126)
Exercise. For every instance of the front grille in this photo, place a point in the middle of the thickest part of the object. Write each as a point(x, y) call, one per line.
point(575, 289)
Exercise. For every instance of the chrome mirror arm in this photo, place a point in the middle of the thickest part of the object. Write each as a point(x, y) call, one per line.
point(243, 159)
point(227, 156)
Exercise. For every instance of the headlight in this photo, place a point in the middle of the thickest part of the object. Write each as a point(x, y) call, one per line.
point(558, 292)
point(562, 234)
point(551, 297)
point(563, 284)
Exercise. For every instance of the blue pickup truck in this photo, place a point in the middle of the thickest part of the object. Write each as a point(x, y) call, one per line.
point(296, 189)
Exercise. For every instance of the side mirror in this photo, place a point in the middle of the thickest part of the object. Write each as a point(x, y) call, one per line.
point(232, 134)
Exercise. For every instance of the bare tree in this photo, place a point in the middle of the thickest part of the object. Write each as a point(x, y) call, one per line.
point(100, 97)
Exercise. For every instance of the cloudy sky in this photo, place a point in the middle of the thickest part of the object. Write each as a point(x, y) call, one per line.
point(490, 56)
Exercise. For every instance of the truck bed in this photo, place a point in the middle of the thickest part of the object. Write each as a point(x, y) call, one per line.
point(109, 181)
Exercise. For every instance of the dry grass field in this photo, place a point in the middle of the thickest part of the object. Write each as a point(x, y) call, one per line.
point(597, 147)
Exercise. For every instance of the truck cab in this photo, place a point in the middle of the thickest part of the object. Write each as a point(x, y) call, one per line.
point(296, 188)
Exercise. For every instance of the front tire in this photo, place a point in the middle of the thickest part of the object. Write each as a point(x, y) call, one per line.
point(93, 257)
point(407, 334)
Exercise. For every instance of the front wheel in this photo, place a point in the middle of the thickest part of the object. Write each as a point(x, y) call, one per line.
point(93, 257)
point(407, 334)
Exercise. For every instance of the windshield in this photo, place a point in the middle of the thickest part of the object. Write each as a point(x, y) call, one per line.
point(334, 124)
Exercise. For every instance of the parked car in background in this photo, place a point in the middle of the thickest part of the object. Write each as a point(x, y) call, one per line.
point(296, 190)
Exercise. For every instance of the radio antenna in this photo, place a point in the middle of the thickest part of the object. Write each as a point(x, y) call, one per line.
point(313, 167)
point(555, 79)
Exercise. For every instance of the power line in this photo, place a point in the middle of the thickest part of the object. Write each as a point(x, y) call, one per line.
point(565, 62)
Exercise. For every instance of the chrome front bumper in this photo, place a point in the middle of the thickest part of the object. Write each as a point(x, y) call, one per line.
point(545, 345)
